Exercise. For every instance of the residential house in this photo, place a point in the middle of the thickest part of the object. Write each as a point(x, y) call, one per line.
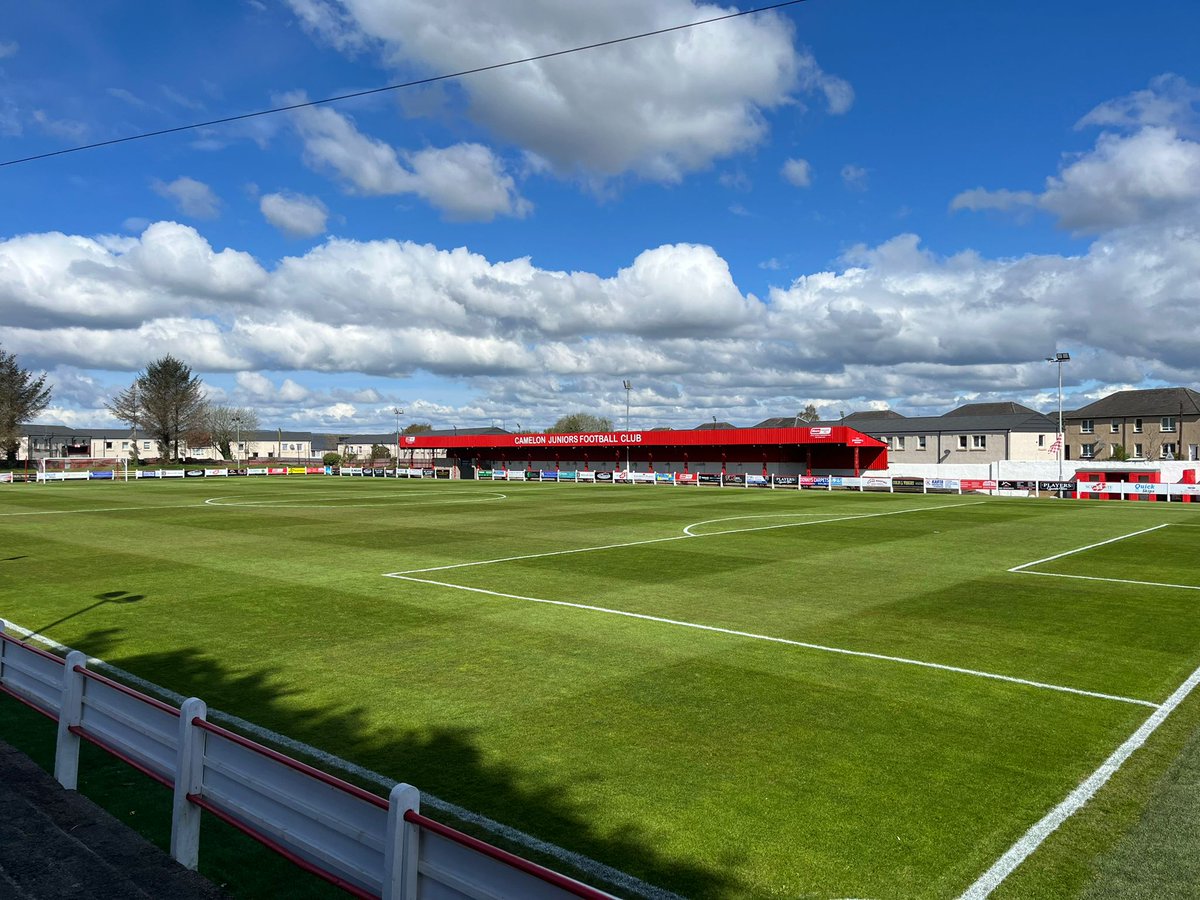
point(1154, 424)
point(973, 433)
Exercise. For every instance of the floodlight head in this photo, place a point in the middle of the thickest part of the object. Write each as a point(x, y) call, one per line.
point(1061, 357)
point(628, 386)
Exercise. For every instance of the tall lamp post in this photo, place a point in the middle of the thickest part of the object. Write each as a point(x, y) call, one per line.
point(628, 387)
point(1060, 358)
point(237, 439)
point(397, 412)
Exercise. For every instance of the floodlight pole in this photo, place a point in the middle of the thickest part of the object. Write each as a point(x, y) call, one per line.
point(1060, 358)
point(397, 412)
point(628, 387)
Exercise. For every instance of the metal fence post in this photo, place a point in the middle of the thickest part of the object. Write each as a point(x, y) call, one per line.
point(402, 848)
point(189, 779)
point(66, 748)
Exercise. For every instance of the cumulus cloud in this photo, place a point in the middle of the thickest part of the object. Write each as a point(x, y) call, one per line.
point(1170, 102)
point(797, 172)
point(1124, 180)
point(192, 198)
point(893, 320)
point(8, 48)
point(465, 181)
point(294, 214)
point(1146, 168)
point(659, 108)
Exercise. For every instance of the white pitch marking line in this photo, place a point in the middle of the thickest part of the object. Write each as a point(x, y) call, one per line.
point(583, 863)
point(306, 502)
point(678, 537)
point(1185, 587)
point(1033, 838)
point(75, 512)
point(778, 640)
point(1122, 537)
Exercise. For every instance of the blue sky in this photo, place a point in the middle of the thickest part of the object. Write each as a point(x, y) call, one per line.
point(850, 204)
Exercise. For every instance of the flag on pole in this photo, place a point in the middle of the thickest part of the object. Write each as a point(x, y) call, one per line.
point(1057, 445)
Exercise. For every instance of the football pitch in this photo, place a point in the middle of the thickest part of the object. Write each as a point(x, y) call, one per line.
point(716, 692)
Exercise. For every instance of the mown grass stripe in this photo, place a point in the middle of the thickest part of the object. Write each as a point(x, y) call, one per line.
point(792, 643)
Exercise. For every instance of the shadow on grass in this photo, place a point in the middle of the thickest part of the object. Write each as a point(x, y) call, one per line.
point(101, 599)
point(442, 760)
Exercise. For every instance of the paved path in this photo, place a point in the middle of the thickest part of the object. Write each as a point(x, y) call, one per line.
point(56, 843)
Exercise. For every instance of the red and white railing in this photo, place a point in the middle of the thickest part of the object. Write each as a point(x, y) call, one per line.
point(367, 845)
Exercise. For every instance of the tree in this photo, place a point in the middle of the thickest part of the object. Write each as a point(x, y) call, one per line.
point(810, 414)
point(166, 400)
point(378, 451)
point(580, 423)
point(418, 428)
point(226, 424)
point(22, 397)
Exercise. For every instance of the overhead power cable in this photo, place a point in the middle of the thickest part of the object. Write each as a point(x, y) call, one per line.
point(396, 87)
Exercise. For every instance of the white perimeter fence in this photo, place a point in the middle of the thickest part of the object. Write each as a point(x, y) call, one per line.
point(891, 483)
point(368, 846)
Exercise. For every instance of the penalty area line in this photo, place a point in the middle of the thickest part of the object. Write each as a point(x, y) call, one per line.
point(675, 537)
point(842, 651)
point(1033, 838)
point(1121, 537)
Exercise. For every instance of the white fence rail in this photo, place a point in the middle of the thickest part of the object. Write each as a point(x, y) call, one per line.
point(365, 844)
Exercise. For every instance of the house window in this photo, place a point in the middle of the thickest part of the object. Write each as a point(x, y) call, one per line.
point(1168, 423)
point(108, 444)
point(962, 442)
point(1087, 451)
point(979, 442)
point(1137, 426)
point(921, 442)
point(896, 442)
point(145, 445)
point(1113, 450)
point(1169, 451)
point(1041, 440)
point(1194, 452)
point(1087, 426)
point(1114, 427)
point(1138, 451)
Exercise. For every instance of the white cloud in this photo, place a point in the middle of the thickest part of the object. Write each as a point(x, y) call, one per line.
point(10, 119)
point(659, 107)
point(797, 172)
point(854, 177)
point(294, 214)
point(893, 320)
point(1169, 102)
point(1126, 180)
point(68, 129)
point(191, 197)
point(1150, 173)
point(465, 181)
point(8, 48)
point(127, 97)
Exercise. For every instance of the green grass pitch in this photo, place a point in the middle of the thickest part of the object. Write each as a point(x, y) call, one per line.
point(721, 692)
